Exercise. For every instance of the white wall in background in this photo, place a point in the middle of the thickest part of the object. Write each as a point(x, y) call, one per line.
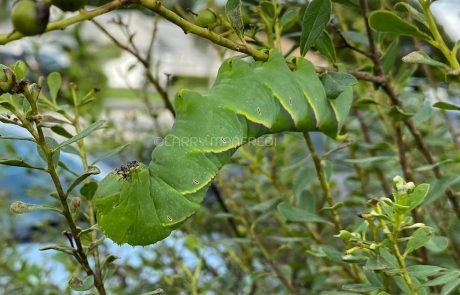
point(175, 52)
point(447, 14)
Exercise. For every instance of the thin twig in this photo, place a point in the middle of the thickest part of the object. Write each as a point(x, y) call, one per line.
point(323, 181)
point(62, 24)
point(189, 27)
point(145, 63)
point(368, 140)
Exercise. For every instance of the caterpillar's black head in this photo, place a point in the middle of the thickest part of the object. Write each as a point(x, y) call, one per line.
point(124, 171)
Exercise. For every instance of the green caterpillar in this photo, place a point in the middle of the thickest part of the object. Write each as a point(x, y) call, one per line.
point(141, 205)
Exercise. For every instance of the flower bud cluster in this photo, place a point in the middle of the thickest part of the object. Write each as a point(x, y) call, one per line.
point(401, 187)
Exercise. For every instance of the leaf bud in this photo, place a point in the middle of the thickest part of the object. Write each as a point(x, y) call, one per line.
point(7, 79)
point(205, 18)
point(344, 235)
point(19, 207)
point(75, 204)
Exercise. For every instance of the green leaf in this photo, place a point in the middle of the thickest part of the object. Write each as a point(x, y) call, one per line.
point(17, 138)
point(294, 214)
point(66, 168)
point(265, 206)
point(444, 279)
point(424, 270)
point(398, 114)
point(420, 57)
point(331, 253)
point(360, 288)
point(387, 22)
point(376, 263)
point(336, 83)
point(369, 160)
point(418, 239)
point(402, 285)
point(268, 10)
point(110, 153)
point(446, 106)
point(326, 47)
point(439, 186)
point(92, 170)
point(88, 98)
point(417, 196)
point(305, 200)
point(315, 20)
point(58, 129)
point(54, 84)
point(288, 240)
point(78, 284)
point(437, 164)
point(449, 287)
point(289, 18)
point(414, 13)
point(356, 37)
point(19, 163)
point(91, 128)
point(9, 106)
point(20, 70)
point(388, 59)
point(154, 292)
point(88, 190)
point(348, 3)
point(234, 15)
point(70, 150)
point(373, 278)
point(52, 144)
point(389, 258)
point(437, 244)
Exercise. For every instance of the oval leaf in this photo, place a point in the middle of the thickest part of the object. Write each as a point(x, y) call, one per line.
point(91, 128)
point(298, 215)
point(233, 13)
point(335, 83)
point(315, 20)
point(89, 189)
point(325, 46)
point(424, 270)
point(18, 163)
point(92, 170)
point(78, 284)
point(437, 244)
point(419, 239)
point(417, 197)
point(54, 84)
point(446, 106)
point(387, 22)
point(420, 57)
point(444, 279)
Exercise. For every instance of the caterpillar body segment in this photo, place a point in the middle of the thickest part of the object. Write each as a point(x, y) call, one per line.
point(246, 101)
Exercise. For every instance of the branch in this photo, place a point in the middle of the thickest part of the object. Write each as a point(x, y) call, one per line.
point(188, 27)
point(62, 24)
point(145, 63)
point(323, 181)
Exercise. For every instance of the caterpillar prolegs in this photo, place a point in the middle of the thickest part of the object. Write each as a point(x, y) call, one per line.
point(145, 203)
